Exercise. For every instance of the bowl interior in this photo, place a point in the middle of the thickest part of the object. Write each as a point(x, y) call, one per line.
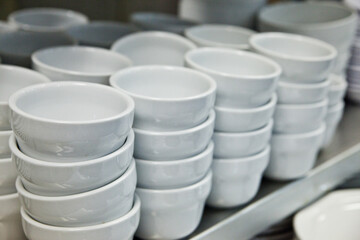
point(82, 59)
point(160, 83)
point(71, 102)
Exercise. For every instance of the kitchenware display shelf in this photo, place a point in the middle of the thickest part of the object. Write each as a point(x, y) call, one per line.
point(277, 200)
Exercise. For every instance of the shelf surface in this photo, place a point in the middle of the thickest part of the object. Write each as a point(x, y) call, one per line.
point(278, 200)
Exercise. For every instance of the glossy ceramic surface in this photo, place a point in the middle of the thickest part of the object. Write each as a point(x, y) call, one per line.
point(4, 144)
point(122, 228)
point(244, 119)
point(302, 93)
point(172, 213)
point(302, 59)
point(333, 217)
point(236, 181)
point(174, 173)
point(332, 119)
point(167, 98)
point(78, 63)
point(154, 48)
point(337, 90)
point(103, 204)
point(13, 79)
point(16, 47)
point(8, 176)
point(99, 33)
point(244, 80)
point(46, 19)
point(60, 179)
point(162, 146)
point(293, 155)
point(218, 35)
point(242, 144)
point(78, 121)
point(10, 227)
point(299, 118)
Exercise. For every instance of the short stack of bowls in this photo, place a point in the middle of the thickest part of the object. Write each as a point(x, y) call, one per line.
point(11, 79)
point(330, 22)
point(302, 100)
point(244, 107)
point(72, 147)
point(173, 125)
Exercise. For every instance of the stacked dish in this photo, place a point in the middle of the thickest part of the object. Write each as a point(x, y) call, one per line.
point(154, 48)
point(72, 147)
point(12, 79)
point(244, 107)
point(302, 105)
point(173, 126)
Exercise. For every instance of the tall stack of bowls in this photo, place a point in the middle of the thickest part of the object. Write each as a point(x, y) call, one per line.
point(79, 63)
point(244, 107)
point(154, 48)
point(72, 147)
point(174, 123)
point(331, 22)
point(302, 100)
point(11, 79)
point(235, 12)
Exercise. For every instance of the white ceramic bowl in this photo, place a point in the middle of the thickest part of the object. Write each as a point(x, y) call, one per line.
point(10, 227)
point(70, 121)
point(331, 22)
point(337, 90)
point(244, 119)
point(244, 79)
point(174, 173)
point(161, 146)
point(4, 144)
point(293, 155)
point(218, 35)
point(241, 144)
point(236, 181)
point(154, 48)
point(172, 213)
point(167, 98)
point(302, 59)
point(13, 79)
point(333, 217)
point(99, 33)
point(79, 63)
point(8, 176)
point(97, 206)
point(122, 228)
point(302, 93)
point(61, 179)
point(46, 19)
point(353, 93)
point(299, 118)
point(332, 119)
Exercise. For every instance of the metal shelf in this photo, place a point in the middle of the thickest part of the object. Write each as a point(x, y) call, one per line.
point(278, 200)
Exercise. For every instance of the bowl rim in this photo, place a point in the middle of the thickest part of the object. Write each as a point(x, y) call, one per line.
point(190, 33)
point(129, 143)
point(300, 85)
point(292, 106)
point(162, 68)
point(314, 133)
point(9, 196)
point(13, 106)
point(208, 122)
point(253, 157)
point(5, 133)
point(155, 163)
point(78, 196)
point(96, 50)
point(199, 67)
point(253, 41)
point(337, 107)
point(341, 83)
point(12, 18)
point(132, 213)
point(42, 78)
point(267, 128)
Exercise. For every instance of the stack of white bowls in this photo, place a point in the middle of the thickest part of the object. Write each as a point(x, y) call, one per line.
point(244, 107)
point(174, 123)
point(11, 79)
point(302, 105)
point(72, 147)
